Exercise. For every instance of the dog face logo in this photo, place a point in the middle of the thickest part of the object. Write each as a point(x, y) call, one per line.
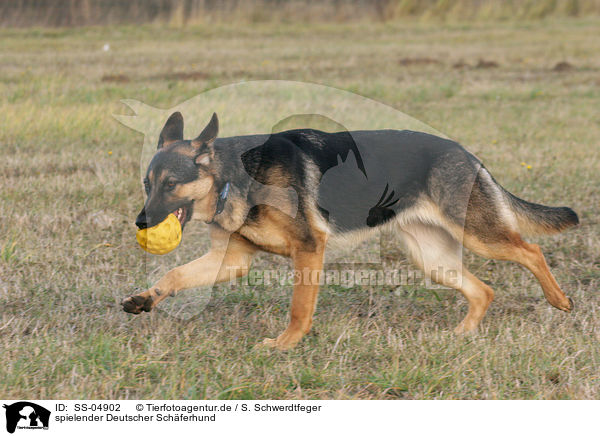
point(180, 178)
point(26, 415)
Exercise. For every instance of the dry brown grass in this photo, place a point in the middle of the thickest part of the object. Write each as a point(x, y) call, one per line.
point(68, 255)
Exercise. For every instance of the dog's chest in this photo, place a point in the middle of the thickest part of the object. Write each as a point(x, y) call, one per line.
point(267, 238)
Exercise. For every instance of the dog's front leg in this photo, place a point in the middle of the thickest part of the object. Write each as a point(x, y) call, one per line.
point(228, 258)
point(308, 267)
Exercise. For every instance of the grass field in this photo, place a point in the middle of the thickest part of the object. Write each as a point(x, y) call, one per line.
point(71, 190)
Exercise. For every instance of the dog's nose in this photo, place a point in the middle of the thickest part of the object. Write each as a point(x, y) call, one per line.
point(141, 220)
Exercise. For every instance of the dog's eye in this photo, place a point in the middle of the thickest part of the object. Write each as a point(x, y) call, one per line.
point(147, 186)
point(170, 185)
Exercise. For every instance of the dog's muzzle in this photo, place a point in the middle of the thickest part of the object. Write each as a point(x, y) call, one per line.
point(141, 220)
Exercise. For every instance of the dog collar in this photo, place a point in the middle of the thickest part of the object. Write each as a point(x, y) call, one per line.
point(221, 200)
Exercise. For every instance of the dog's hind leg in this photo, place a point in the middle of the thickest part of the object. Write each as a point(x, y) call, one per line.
point(439, 255)
point(229, 257)
point(495, 221)
point(515, 249)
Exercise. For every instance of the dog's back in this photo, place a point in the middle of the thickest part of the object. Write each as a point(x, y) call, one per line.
point(364, 179)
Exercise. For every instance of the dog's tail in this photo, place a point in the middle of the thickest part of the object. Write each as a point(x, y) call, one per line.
point(537, 219)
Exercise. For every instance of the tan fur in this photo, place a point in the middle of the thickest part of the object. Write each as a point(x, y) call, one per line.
point(198, 189)
point(531, 257)
point(202, 190)
point(528, 227)
point(434, 244)
point(229, 257)
point(509, 218)
point(270, 232)
point(308, 266)
point(438, 254)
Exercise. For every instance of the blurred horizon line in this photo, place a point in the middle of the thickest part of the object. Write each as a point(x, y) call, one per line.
point(74, 13)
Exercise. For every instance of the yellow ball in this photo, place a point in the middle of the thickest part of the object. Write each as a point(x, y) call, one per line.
point(162, 238)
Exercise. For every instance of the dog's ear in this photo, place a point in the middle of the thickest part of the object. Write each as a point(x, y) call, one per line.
point(173, 130)
point(204, 142)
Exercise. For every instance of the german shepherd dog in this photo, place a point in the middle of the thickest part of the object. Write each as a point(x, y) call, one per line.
point(436, 196)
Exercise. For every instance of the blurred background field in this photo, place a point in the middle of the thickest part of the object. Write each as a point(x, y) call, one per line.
point(186, 12)
point(522, 92)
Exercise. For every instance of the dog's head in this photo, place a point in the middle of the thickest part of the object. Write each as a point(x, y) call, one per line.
point(180, 178)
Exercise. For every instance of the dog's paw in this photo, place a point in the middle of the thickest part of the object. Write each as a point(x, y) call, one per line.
point(267, 343)
point(284, 341)
point(466, 328)
point(571, 305)
point(136, 304)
